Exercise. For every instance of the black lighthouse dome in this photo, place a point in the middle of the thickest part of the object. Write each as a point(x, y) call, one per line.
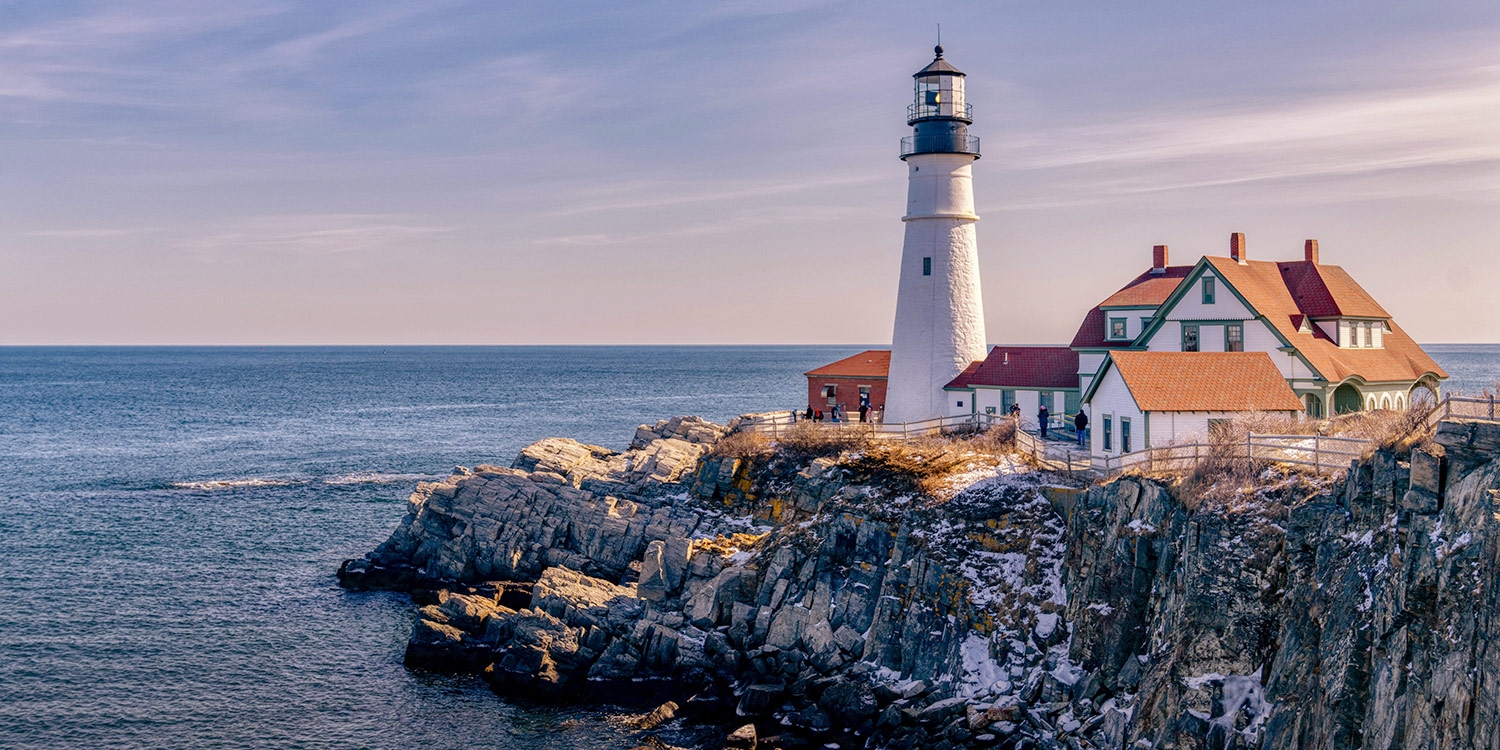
point(939, 115)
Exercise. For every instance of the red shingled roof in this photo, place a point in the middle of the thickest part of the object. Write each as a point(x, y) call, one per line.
point(1204, 381)
point(1146, 289)
point(875, 363)
point(1327, 291)
point(1272, 288)
point(1042, 367)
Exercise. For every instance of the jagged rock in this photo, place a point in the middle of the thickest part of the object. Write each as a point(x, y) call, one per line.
point(759, 699)
point(660, 715)
point(1300, 613)
point(849, 702)
point(743, 738)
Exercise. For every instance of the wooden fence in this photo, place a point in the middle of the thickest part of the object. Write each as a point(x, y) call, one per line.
point(1323, 454)
point(776, 423)
point(1481, 409)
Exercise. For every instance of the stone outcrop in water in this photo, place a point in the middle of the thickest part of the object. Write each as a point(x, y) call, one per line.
point(1021, 611)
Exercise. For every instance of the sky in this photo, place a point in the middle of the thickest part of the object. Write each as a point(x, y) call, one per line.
point(377, 172)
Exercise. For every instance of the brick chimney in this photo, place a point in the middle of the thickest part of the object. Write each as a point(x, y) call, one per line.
point(1237, 247)
point(1159, 259)
point(1310, 251)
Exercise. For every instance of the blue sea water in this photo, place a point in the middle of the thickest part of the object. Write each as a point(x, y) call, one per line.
point(170, 521)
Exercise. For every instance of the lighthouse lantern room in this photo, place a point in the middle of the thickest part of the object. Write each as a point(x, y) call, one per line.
point(939, 327)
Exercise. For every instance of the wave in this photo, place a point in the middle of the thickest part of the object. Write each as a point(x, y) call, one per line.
point(337, 480)
point(227, 484)
point(376, 477)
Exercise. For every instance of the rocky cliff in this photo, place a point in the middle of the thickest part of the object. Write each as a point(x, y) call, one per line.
point(827, 599)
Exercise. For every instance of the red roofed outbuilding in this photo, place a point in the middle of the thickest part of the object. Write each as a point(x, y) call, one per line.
point(850, 382)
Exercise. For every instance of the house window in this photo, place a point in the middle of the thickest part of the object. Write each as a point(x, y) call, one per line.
point(1124, 435)
point(926, 266)
point(1117, 328)
point(1234, 337)
point(1109, 432)
point(1145, 323)
point(1189, 337)
point(831, 392)
point(960, 403)
point(1208, 291)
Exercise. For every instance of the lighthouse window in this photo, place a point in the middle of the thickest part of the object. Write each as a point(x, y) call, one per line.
point(926, 266)
point(934, 98)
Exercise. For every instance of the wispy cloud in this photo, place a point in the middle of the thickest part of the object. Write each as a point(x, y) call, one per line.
point(658, 194)
point(321, 234)
point(93, 233)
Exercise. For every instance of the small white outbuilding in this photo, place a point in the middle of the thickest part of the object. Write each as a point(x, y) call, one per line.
point(1143, 399)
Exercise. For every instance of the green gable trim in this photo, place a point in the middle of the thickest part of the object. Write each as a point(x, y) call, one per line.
point(1127, 307)
point(1088, 393)
point(1189, 282)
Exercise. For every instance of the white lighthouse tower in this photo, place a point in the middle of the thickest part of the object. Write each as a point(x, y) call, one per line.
point(939, 313)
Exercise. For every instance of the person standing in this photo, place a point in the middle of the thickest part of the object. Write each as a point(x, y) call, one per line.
point(1041, 420)
point(1081, 425)
point(1015, 413)
point(864, 413)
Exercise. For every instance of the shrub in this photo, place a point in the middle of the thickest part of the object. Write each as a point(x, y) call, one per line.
point(806, 441)
point(925, 464)
point(743, 444)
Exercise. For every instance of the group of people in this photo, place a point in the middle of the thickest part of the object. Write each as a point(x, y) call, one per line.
point(1080, 422)
point(836, 413)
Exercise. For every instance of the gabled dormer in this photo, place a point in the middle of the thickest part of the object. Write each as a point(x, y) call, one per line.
point(1331, 300)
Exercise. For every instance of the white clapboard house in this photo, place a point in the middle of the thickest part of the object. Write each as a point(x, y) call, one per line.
point(1180, 347)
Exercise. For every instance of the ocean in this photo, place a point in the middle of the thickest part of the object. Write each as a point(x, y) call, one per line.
point(171, 520)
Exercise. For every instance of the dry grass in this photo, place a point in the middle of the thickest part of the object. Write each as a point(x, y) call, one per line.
point(806, 441)
point(1226, 469)
point(744, 444)
point(925, 464)
point(1389, 429)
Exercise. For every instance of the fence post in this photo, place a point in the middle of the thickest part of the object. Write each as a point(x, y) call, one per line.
point(1492, 407)
point(1317, 455)
point(903, 430)
point(1249, 452)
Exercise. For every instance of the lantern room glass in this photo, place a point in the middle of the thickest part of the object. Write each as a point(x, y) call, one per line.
point(940, 95)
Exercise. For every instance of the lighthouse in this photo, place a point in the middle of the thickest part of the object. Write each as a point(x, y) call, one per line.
point(939, 327)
